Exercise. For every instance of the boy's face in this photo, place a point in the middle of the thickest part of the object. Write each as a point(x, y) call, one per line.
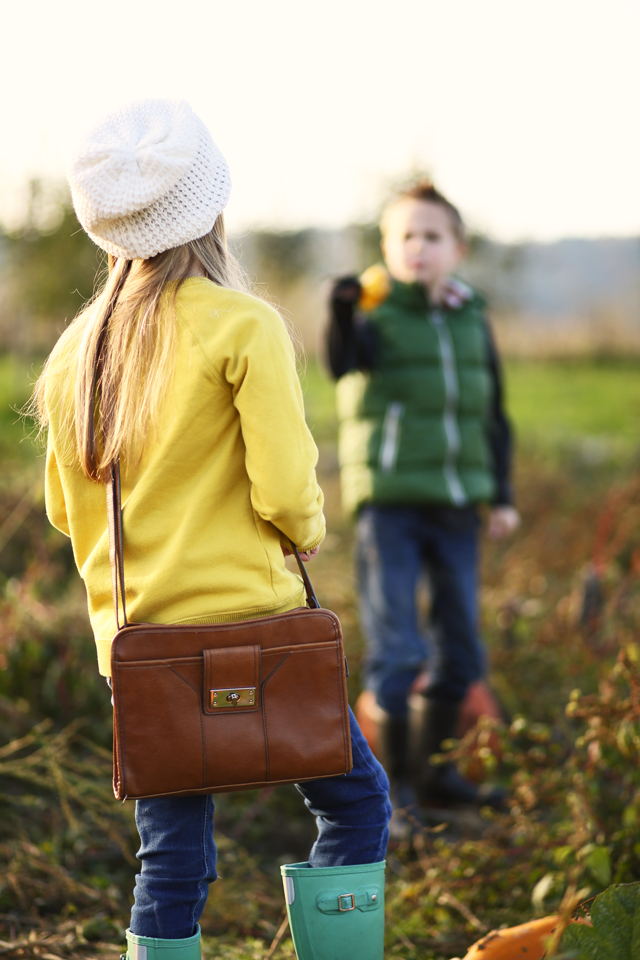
point(419, 244)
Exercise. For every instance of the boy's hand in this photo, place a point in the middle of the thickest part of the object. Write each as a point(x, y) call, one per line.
point(346, 290)
point(303, 556)
point(502, 522)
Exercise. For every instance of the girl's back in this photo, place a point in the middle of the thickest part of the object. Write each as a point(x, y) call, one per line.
point(228, 465)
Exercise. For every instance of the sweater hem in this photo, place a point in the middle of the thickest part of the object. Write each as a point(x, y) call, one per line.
point(312, 546)
point(243, 615)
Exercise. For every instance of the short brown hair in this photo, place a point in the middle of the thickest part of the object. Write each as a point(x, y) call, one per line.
point(425, 190)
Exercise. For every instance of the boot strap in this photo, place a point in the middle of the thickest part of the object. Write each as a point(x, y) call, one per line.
point(363, 899)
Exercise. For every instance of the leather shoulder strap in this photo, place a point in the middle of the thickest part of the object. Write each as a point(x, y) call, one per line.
point(116, 552)
point(312, 600)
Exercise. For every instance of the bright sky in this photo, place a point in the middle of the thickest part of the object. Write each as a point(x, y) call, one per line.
point(525, 111)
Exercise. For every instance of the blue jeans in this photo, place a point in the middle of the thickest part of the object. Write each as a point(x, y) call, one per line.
point(394, 546)
point(178, 852)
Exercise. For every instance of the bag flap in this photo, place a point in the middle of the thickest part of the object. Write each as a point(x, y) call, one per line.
point(160, 641)
point(231, 679)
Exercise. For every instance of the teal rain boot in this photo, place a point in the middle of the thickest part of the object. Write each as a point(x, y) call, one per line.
point(336, 913)
point(151, 948)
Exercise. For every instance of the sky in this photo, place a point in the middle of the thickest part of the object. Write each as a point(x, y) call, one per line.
point(525, 113)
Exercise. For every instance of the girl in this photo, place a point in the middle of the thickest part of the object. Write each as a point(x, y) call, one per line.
point(200, 401)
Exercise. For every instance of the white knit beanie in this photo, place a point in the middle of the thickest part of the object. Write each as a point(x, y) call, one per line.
point(148, 178)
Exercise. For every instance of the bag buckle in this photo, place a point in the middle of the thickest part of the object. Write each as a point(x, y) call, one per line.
point(346, 896)
point(232, 697)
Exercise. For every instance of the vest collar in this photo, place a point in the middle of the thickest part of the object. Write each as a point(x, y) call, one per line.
point(414, 295)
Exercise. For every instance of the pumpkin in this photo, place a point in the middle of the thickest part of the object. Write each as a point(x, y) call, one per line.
point(525, 942)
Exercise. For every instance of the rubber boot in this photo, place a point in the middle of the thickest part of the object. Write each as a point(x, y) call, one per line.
point(394, 757)
point(336, 913)
point(152, 948)
point(442, 784)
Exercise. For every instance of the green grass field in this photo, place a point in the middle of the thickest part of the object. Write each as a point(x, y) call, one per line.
point(558, 403)
point(16, 379)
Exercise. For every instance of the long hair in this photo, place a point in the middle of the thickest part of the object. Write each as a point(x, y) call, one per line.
point(110, 370)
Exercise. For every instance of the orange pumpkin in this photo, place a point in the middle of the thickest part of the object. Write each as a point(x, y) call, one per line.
point(525, 942)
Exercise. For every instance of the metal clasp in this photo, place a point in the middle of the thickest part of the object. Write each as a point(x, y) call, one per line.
point(346, 896)
point(233, 697)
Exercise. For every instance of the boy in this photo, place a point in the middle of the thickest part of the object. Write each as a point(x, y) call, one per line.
point(423, 440)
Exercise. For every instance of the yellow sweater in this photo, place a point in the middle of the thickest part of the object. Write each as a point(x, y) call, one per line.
point(232, 464)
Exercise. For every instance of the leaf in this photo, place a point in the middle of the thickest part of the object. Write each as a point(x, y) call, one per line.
point(635, 938)
point(584, 943)
point(598, 863)
point(615, 934)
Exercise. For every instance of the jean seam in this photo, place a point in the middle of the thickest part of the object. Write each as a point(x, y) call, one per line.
point(205, 822)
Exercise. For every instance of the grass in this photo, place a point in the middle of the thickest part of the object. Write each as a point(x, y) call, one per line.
point(556, 404)
point(17, 375)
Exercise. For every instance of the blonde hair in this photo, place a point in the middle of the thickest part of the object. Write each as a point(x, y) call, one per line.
point(109, 372)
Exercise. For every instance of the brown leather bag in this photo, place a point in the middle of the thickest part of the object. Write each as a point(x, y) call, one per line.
point(231, 706)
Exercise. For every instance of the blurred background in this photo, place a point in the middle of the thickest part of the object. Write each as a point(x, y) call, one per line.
point(524, 114)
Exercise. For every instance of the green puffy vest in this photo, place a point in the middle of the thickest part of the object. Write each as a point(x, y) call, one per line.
point(414, 430)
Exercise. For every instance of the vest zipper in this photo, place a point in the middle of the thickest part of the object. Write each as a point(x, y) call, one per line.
point(450, 420)
point(390, 437)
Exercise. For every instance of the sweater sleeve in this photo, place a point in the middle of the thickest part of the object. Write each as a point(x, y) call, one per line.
point(53, 492)
point(281, 455)
point(350, 339)
point(500, 433)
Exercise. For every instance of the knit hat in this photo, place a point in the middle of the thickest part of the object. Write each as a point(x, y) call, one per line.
point(148, 178)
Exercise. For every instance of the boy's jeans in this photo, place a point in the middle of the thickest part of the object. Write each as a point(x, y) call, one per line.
point(394, 545)
point(178, 852)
